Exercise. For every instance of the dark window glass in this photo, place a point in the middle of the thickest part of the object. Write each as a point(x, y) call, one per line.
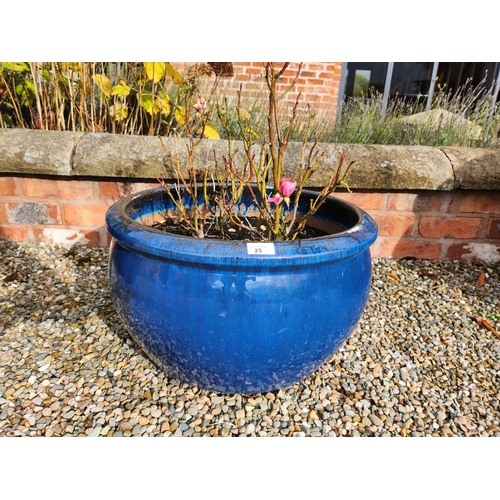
point(411, 79)
point(465, 75)
point(364, 77)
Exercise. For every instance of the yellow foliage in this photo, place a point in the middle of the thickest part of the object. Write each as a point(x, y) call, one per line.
point(165, 105)
point(211, 132)
point(180, 115)
point(102, 81)
point(174, 74)
point(77, 67)
point(118, 111)
point(15, 66)
point(156, 105)
point(122, 89)
point(155, 70)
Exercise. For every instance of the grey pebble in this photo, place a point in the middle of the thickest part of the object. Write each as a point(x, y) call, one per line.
point(95, 432)
point(250, 429)
point(3, 414)
point(305, 427)
point(417, 358)
point(137, 430)
point(375, 420)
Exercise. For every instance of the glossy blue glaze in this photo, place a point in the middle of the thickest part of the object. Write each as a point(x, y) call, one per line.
point(213, 316)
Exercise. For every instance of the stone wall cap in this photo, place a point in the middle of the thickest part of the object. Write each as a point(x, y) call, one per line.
point(37, 151)
point(388, 167)
point(475, 168)
point(380, 167)
point(133, 156)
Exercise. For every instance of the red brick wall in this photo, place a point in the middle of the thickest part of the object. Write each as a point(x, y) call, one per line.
point(447, 225)
point(59, 211)
point(318, 83)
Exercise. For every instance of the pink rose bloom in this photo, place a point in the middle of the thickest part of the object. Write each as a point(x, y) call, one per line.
point(275, 199)
point(199, 105)
point(287, 187)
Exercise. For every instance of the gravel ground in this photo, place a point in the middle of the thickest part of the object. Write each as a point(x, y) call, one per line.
point(418, 363)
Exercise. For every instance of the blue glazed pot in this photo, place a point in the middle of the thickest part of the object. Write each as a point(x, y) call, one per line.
point(218, 315)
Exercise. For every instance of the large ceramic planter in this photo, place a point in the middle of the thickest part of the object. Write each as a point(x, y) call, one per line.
point(235, 317)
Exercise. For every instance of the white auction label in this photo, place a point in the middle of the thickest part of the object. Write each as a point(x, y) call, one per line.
point(260, 249)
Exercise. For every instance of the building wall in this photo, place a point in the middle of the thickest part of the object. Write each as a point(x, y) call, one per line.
point(447, 225)
point(318, 83)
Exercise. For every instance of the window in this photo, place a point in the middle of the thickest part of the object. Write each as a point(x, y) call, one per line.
point(466, 74)
point(411, 79)
point(364, 76)
point(415, 80)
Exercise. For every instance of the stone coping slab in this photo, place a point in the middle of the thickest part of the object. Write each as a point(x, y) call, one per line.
point(78, 154)
point(37, 151)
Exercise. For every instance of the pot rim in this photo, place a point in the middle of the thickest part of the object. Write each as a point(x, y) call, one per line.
point(147, 240)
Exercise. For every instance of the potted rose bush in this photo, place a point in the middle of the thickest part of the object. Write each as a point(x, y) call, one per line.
point(238, 278)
